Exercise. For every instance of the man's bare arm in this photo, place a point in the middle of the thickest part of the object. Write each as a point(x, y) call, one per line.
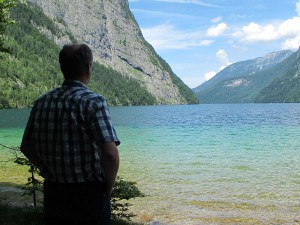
point(110, 163)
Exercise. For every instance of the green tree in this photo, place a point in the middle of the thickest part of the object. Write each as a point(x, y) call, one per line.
point(5, 20)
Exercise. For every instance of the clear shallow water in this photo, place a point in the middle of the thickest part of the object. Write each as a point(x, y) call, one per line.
point(205, 164)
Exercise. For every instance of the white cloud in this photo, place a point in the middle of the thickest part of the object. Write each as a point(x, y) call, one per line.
point(223, 67)
point(196, 2)
point(257, 33)
point(205, 42)
point(166, 14)
point(209, 75)
point(298, 7)
point(167, 37)
point(223, 58)
point(290, 27)
point(217, 19)
point(286, 31)
point(292, 43)
point(218, 30)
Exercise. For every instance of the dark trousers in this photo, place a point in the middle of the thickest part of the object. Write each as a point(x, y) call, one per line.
point(76, 204)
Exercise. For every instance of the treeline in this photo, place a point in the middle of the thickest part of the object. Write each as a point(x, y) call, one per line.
point(118, 89)
point(32, 67)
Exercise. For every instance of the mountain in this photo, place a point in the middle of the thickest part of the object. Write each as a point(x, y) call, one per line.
point(242, 81)
point(285, 88)
point(127, 70)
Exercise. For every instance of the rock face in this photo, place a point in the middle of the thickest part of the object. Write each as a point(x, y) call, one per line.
point(110, 29)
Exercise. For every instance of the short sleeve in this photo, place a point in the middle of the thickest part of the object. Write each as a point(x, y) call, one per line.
point(101, 124)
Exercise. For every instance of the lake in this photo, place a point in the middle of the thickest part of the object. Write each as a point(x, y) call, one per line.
point(203, 164)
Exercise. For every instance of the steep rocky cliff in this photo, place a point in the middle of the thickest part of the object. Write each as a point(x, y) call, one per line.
point(112, 32)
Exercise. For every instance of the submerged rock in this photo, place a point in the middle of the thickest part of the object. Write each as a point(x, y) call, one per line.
point(155, 222)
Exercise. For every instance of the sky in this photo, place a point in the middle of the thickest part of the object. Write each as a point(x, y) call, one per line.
point(199, 38)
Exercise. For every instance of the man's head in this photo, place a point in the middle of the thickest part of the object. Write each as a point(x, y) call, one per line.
point(75, 61)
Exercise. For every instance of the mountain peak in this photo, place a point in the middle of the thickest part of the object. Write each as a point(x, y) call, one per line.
point(273, 58)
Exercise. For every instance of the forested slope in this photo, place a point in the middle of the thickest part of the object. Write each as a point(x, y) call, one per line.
point(285, 88)
point(32, 67)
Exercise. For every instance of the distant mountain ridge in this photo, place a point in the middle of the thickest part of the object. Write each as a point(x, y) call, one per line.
point(246, 68)
point(242, 82)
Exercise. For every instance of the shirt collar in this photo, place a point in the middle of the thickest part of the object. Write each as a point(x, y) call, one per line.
point(74, 83)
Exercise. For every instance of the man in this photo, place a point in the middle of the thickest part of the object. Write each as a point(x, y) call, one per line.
point(71, 139)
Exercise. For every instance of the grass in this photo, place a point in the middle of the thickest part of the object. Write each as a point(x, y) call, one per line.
point(28, 215)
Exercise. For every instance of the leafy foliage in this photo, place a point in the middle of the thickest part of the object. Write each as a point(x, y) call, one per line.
point(5, 20)
point(123, 190)
point(34, 184)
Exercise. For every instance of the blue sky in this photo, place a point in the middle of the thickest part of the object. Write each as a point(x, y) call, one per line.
point(198, 38)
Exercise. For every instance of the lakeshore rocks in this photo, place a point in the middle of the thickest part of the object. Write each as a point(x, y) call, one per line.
point(155, 222)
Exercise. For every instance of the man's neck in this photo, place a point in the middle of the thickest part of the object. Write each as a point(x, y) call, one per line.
point(76, 81)
point(82, 80)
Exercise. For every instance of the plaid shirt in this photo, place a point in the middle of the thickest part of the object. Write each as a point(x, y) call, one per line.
point(67, 126)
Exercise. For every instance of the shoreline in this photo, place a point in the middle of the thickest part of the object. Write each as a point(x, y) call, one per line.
point(11, 195)
point(154, 208)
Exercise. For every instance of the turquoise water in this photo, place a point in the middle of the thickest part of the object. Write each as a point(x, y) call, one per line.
point(205, 164)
